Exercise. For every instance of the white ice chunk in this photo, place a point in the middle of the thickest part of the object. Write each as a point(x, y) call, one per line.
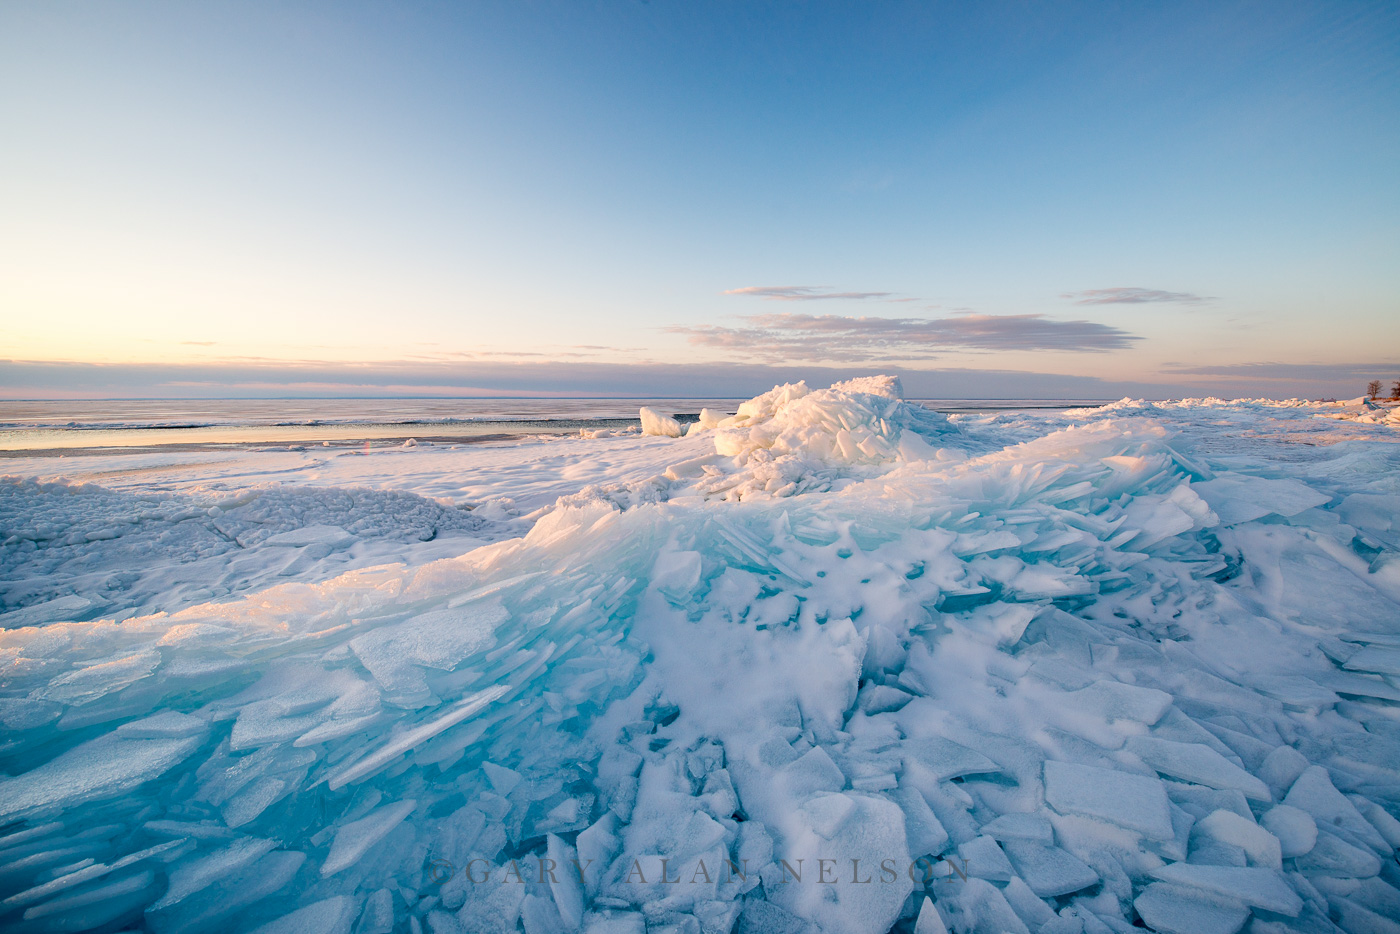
point(407, 740)
point(1256, 886)
point(1295, 829)
point(564, 883)
point(929, 921)
point(655, 423)
point(985, 860)
point(353, 840)
point(1171, 909)
point(1237, 499)
point(101, 767)
point(1314, 792)
point(1133, 801)
point(1197, 763)
point(1114, 700)
point(676, 573)
point(868, 825)
point(1333, 856)
point(195, 875)
point(1281, 768)
point(1261, 846)
point(941, 759)
point(440, 639)
point(1049, 870)
point(1382, 659)
point(332, 915)
point(1016, 826)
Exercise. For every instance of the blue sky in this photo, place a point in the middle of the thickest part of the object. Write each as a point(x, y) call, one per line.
point(1053, 199)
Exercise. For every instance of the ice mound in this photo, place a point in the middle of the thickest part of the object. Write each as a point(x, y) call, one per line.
point(856, 422)
point(793, 439)
point(1099, 675)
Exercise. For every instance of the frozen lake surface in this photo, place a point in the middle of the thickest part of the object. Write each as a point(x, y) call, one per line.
point(836, 663)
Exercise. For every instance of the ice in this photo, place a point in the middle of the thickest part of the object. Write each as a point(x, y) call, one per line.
point(1281, 768)
point(332, 915)
point(1134, 802)
point(1048, 870)
point(1030, 827)
point(407, 740)
point(981, 908)
point(353, 840)
point(985, 860)
point(1257, 887)
point(197, 874)
point(1196, 763)
point(655, 423)
point(833, 626)
point(1334, 856)
point(1171, 909)
point(929, 921)
point(1295, 829)
point(1240, 499)
point(1314, 793)
point(936, 759)
point(440, 639)
point(1381, 659)
point(1260, 846)
point(103, 767)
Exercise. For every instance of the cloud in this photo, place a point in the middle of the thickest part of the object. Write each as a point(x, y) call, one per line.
point(1134, 296)
point(1273, 371)
point(791, 337)
point(808, 293)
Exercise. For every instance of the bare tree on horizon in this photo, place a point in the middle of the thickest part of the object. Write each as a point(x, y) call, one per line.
point(1373, 389)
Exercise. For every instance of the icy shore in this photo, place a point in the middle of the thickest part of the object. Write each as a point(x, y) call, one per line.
point(834, 663)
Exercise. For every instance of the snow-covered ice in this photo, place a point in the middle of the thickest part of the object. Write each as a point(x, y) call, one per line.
point(832, 663)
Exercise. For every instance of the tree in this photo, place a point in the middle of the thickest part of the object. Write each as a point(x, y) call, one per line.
point(1373, 388)
point(1395, 390)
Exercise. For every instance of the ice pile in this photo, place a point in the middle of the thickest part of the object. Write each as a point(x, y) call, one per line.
point(795, 440)
point(1080, 682)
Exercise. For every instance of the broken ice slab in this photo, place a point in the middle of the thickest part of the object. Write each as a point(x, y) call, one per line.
point(1381, 659)
point(1048, 870)
point(1196, 763)
point(1172, 909)
point(1314, 792)
point(1135, 802)
point(937, 759)
point(1255, 886)
point(1237, 499)
point(355, 839)
point(1016, 826)
point(103, 767)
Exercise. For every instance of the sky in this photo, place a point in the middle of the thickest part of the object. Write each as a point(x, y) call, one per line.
point(673, 198)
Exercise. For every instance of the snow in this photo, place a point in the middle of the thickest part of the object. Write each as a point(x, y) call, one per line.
point(1051, 671)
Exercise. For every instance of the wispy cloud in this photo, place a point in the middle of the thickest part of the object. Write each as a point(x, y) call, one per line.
point(792, 337)
point(1277, 371)
point(1135, 296)
point(809, 293)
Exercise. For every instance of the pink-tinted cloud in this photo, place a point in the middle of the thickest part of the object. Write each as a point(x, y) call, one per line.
point(808, 293)
point(793, 337)
point(1135, 296)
